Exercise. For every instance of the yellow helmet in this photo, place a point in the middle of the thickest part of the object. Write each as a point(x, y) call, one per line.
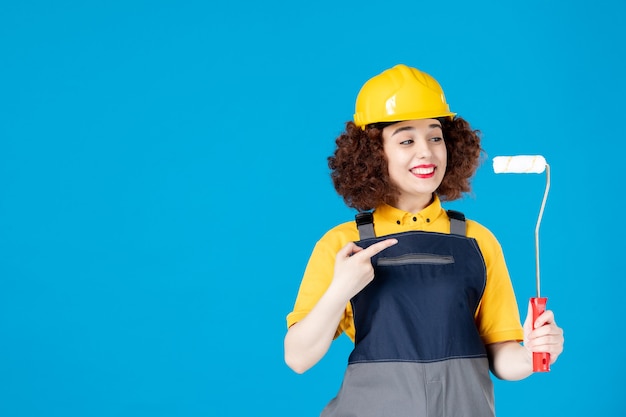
point(400, 93)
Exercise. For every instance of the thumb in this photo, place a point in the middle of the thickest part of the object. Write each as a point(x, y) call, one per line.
point(348, 250)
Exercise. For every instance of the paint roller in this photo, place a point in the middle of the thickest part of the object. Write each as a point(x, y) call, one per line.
point(531, 164)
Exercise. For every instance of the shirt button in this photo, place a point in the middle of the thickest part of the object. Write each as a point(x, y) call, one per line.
point(398, 221)
point(414, 219)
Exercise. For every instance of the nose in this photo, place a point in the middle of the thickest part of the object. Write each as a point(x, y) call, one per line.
point(422, 148)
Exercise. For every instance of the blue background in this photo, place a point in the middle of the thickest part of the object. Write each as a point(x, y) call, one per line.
point(163, 180)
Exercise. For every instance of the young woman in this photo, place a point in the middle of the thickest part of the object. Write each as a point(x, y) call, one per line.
point(424, 293)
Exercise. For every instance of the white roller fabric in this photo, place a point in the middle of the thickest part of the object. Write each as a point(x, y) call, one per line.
point(519, 164)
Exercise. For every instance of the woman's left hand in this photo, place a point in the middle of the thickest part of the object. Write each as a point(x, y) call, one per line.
point(546, 337)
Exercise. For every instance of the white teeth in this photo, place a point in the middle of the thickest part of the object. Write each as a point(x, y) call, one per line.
point(423, 171)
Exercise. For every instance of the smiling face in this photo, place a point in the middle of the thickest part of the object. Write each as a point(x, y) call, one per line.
point(416, 158)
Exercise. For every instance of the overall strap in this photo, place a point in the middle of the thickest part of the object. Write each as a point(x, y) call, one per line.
point(457, 222)
point(365, 224)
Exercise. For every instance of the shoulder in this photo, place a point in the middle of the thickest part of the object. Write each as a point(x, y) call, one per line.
point(339, 235)
point(486, 240)
point(478, 231)
point(325, 251)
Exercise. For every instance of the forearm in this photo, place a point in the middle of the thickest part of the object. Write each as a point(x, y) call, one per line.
point(510, 360)
point(308, 340)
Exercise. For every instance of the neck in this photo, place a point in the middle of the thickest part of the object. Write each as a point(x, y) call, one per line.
point(413, 204)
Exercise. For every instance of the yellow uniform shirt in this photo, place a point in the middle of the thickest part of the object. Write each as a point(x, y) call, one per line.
point(497, 317)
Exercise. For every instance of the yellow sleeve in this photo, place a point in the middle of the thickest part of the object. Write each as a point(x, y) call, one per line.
point(498, 316)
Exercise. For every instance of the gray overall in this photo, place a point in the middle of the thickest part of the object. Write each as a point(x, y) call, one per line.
point(417, 349)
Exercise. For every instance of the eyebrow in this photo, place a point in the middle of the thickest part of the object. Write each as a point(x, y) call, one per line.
point(404, 128)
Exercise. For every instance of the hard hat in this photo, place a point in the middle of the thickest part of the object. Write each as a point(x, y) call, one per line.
point(400, 93)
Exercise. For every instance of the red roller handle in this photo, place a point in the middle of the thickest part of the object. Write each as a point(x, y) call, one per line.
point(541, 360)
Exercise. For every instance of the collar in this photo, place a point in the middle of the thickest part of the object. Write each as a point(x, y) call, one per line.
point(427, 215)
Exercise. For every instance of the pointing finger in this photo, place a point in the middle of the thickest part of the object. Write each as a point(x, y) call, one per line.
point(379, 247)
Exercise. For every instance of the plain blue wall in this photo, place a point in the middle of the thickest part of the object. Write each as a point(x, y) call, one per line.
point(163, 180)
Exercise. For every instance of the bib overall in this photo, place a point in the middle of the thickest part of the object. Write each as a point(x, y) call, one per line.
point(417, 348)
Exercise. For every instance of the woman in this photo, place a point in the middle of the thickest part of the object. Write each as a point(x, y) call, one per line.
point(424, 293)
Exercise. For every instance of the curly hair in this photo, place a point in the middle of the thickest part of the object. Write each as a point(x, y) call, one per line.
point(359, 167)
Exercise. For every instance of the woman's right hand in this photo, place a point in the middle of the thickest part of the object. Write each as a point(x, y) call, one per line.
point(308, 340)
point(353, 267)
